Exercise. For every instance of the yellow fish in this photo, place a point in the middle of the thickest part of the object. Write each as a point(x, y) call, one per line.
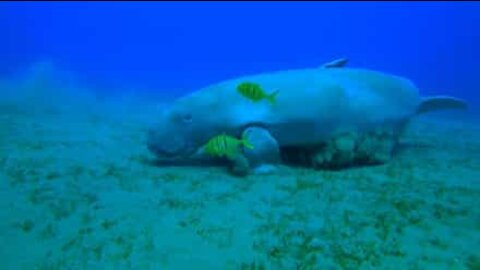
point(254, 92)
point(224, 145)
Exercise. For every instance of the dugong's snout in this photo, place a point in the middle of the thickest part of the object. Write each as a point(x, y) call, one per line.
point(153, 145)
point(170, 144)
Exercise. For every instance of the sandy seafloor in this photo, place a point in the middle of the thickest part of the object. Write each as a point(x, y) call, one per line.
point(78, 192)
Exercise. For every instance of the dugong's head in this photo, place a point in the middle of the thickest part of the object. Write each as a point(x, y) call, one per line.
point(185, 126)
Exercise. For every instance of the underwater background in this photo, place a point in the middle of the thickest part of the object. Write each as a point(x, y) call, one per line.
point(81, 82)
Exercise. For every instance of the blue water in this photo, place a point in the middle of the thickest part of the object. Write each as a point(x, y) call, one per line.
point(184, 46)
point(81, 83)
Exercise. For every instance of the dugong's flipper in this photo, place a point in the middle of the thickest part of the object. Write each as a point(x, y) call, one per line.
point(437, 103)
point(266, 152)
point(337, 63)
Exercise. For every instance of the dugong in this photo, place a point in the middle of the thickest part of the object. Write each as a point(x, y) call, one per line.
point(314, 106)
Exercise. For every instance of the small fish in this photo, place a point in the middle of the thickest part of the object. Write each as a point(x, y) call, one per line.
point(224, 145)
point(255, 92)
point(337, 63)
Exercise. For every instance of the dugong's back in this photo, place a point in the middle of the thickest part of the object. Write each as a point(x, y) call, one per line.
point(307, 82)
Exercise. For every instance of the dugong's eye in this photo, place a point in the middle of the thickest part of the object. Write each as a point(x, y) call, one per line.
point(181, 117)
point(187, 118)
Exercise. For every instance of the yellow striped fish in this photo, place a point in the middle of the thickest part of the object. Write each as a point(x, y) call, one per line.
point(224, 145)
point(255, 93)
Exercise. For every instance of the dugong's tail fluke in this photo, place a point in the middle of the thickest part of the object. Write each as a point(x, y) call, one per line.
point(436, 103)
